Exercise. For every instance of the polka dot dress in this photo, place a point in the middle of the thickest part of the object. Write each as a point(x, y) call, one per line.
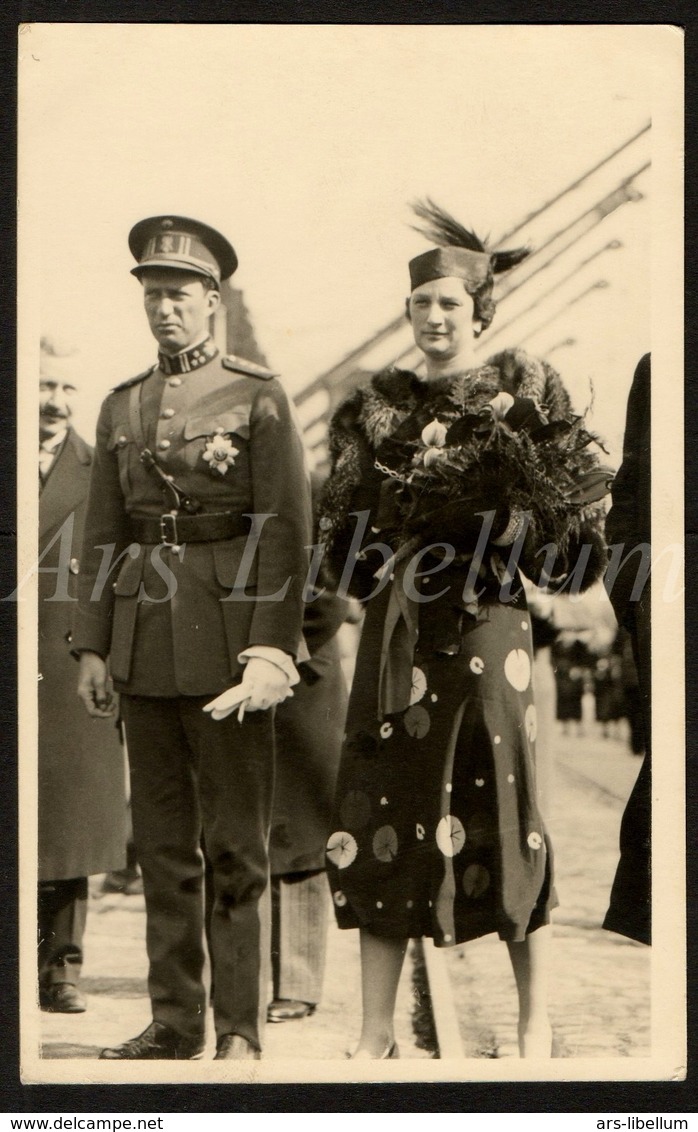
point(436, 828)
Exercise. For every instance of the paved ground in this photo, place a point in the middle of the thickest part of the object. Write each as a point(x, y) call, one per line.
point(600, 985)
point(114, 978)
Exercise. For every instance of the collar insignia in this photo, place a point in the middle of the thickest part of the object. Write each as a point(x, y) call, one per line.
point(188, 360)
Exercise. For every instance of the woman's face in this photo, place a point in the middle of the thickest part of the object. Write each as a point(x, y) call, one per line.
point(441, 313)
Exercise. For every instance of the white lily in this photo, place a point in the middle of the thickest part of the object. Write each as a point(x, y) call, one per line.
point(434, 434)
point(433, 456)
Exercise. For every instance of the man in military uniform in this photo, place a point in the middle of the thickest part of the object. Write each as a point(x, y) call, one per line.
point(193, 576)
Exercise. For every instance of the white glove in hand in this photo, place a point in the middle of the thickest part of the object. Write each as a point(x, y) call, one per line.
point(269, 684)
point(263, 686)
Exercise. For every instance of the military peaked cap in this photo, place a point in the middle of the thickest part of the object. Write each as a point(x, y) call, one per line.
point(182, 244)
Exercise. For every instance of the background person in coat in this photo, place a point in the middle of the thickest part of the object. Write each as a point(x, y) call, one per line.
point(309, 730)
point(629, 523)
point(191, 458)
point(82, 806)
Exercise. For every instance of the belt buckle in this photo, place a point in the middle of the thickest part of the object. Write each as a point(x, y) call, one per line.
point(169, 537)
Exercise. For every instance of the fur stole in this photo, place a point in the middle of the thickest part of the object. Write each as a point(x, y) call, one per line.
point(372, 414)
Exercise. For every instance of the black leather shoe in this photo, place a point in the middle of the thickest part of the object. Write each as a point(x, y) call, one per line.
point(288, 1010)
point(233, 1047)
point(158, 1042)
point(63, 998)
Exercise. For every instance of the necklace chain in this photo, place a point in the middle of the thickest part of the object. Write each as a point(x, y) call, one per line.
point(389, 472)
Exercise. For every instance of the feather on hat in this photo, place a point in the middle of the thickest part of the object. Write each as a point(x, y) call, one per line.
point(462, 254)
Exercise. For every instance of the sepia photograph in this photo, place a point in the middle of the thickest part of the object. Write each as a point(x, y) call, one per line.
point(350, 596)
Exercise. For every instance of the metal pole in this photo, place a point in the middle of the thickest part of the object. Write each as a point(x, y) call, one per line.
point(624, 194)
point(600, 285)
point(574, 185)
point(612, 245)
point(561, 345)
point(333, 375)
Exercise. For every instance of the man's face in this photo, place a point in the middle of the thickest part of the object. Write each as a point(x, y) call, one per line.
point(178, 307)
point(56, 395)
point(441, 313)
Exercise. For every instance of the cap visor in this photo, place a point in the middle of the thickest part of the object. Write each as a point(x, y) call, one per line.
point(174, 265)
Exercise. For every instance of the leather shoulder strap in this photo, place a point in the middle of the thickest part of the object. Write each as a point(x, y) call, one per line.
point(182, 498)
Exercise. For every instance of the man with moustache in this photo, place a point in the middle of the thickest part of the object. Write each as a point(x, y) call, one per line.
point(81, 788)
point(199, 492)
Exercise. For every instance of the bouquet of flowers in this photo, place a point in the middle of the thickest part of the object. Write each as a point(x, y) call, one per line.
point(428, 458)
point(482, 452)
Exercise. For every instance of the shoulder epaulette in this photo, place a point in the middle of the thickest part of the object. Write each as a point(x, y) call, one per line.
point(134, 380)
point(251, 369)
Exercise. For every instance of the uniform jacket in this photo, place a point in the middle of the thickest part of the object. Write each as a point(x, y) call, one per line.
point(174, 624)
point(82, 802)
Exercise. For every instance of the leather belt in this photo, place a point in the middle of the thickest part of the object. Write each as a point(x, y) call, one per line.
point(174, 529)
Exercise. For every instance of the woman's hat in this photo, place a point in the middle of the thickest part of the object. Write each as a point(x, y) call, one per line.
point(440, 263)
point(460, 254)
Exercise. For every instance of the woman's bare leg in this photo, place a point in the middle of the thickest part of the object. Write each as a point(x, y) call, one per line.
point(381, 964)
point(530, 960)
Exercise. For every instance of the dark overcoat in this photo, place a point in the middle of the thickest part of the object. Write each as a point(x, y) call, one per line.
point(309, 731)
point(82, 800)
point(174, 624)
point(629, 523)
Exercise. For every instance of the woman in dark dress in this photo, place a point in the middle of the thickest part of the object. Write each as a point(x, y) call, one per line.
point(440, 484)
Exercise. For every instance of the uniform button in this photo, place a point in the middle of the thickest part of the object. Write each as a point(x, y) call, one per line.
point(167, 413)
point(164, 444)
point(175, 381)
point(123, 440)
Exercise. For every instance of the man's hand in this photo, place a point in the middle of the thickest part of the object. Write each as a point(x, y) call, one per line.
point(269, 684)
point(264, 685)
point(94, 686)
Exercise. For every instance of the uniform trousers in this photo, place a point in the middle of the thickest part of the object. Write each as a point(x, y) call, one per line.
point(62, 913)
point(194, 779)
point(299, 919)
point(300, 912)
